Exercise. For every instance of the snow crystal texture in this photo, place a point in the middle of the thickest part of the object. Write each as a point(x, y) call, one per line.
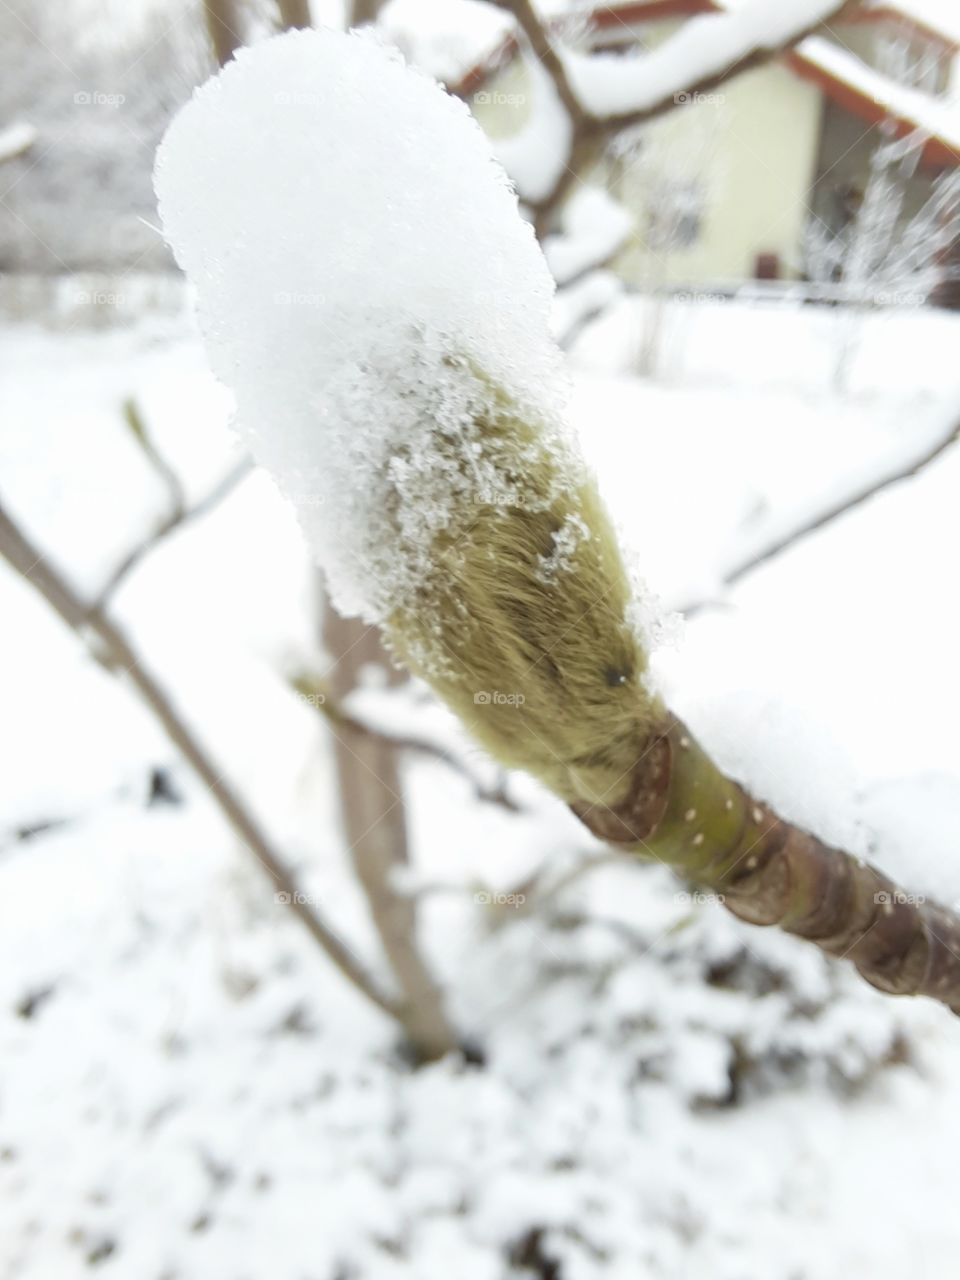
point(364, 280)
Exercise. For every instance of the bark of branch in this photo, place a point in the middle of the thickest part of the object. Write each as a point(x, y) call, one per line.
point(541, 46)
point(684, 812)
point(114, 652)
point(224, 28)
point(294, 13)
point(365, 12)
point(374, 826)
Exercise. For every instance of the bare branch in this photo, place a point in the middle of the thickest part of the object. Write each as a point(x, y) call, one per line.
point(316, 693)
point(168, 477)
point(178, 519)
point(114, 652)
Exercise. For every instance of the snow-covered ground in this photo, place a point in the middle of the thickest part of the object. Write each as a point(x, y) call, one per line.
point(188, 1090)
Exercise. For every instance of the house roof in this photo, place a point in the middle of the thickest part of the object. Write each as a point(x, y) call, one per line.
point(874, 98)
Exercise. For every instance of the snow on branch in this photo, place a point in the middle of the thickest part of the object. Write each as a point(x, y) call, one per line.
point(617, 89)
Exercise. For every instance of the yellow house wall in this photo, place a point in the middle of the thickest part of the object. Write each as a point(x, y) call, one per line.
point(756, 169)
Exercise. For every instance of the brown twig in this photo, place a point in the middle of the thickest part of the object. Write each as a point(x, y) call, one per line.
point(179, 518)
point(541, 45)
point(316, 693)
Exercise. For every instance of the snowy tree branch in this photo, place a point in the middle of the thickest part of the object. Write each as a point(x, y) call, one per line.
point(542, 48)
point(829, 514)
point(705, 54)
point(115, 653)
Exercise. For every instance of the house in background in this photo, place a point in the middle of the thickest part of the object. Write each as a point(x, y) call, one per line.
point(725, 187)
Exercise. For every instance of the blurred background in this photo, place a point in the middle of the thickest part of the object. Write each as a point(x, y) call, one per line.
point(294, 982)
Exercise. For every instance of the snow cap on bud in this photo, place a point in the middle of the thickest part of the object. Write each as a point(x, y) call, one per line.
point(368, 290)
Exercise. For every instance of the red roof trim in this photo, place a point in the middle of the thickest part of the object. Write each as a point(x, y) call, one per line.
point(624, 14)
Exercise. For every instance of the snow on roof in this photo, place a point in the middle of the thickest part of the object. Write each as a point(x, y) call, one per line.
point(940, 118)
